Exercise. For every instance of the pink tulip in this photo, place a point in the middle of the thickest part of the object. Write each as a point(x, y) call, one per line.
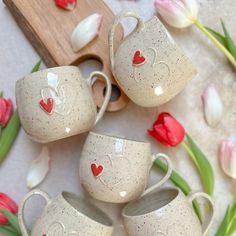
point(7, 203)
point(228, 156)
point(178, 13)
point(6, 110)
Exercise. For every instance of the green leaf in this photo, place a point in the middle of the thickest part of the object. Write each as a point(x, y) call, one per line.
point(204, 167)
point(231, 45)
point(9, 134)
point(7, 231)
point(13, 220)
point(182, 184)
point(37, 66)
point(220, 37)
point(228, 225)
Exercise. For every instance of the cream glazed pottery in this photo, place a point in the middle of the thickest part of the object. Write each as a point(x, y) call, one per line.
point(66, 215)
point(148, 65)
point(115, 169)
point(165, 213)
point(58, 102)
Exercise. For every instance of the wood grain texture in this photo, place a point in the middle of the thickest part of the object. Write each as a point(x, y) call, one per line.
point(49, 30)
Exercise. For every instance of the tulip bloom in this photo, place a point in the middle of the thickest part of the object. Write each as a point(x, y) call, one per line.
point(178, 13)
point(7, 203)
point(183, 13)
point(228, 156)
point(66, 4)
point(167, 130)
point(6, 110)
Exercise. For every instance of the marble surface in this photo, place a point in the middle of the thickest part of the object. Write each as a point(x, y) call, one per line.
point(17, 58)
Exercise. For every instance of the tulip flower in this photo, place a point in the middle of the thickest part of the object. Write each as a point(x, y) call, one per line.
point(183, 13)
point(6, 111)
point(170, 133)
point(86, 31)
point(178, 13)
point(228, 156)
point(66, 4)
point(213, 106)
point(6, 203)
point(167, 130)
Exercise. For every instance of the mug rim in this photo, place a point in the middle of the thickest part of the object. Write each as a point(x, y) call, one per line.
point(110, 225)
point(111, 136)
point(30, 75)
point(169, 189)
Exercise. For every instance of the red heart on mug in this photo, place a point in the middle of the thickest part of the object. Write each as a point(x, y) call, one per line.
point(97, 170)
point(138, 58)
point(47, 106)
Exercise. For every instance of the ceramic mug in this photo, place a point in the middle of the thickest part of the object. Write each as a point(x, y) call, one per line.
point(115, 169)
point(148, 65)
point(165, 213)
point(66, 215)
point(58, 102)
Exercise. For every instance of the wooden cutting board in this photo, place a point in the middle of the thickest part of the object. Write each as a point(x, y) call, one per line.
point(49, 30)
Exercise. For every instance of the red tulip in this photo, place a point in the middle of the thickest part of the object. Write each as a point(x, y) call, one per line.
point(6, 110)
point(167, 130)
point(7, 203)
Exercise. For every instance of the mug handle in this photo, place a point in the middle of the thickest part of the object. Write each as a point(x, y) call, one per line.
point(107, 95)
point(117, 20)
point(165, 178)
point(21, 218)
point(206, 225)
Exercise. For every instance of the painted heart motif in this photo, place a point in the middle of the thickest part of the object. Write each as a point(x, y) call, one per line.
point(97, 170)
point(47, 106)
point(64, 97)
point(138, 59)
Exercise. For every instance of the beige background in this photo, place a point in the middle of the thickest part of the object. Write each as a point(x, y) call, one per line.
point(17, 58)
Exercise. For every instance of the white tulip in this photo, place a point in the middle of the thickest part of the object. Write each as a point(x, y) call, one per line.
point(213, 106)
point(178, 13)
point(228, 156)
point(86, 31)
point(38, 169)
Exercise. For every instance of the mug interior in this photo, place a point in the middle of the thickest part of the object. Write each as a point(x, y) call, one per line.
point(110, 136)
point(87, 209)
point(151, 202)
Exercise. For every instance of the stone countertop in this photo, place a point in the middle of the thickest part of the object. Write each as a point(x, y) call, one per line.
point(17, 58)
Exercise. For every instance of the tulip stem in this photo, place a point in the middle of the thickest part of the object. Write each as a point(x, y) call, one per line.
point(189, 151)
point(216, 42)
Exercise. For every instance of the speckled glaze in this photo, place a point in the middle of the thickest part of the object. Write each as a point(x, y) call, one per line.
point(165, 71)
point(67, 215)
point(167, 212)
point(73, 110)
point(121, 168)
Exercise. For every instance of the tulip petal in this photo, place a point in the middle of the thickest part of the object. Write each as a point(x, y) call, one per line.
point(213, 106)
point(86, 31)
point(39, 169)
point(177, 13)
point(228, 157)
point(9, 204)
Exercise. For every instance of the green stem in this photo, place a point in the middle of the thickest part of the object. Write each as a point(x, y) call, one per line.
point(216, 42)
point(1, 94)
point(189, 151)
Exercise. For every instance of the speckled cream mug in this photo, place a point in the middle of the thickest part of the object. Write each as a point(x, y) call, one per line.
point(116, 170)
point(167, 212)
point(66, 215)
point(148, 65)
point(58, 102)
